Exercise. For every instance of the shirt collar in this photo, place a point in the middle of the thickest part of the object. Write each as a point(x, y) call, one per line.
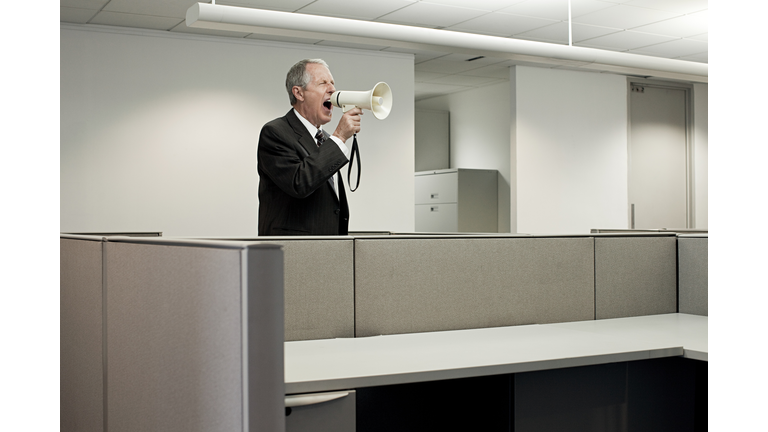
point(310, 127)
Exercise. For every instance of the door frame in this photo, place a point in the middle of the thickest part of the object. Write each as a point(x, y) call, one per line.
point(690, 178)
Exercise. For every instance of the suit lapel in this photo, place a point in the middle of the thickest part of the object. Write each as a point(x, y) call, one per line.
point(307, 142)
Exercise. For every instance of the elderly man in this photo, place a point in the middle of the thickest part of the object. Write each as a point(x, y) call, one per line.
point(300, 190)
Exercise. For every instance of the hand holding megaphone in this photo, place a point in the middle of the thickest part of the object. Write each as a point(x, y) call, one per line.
point(378, 100)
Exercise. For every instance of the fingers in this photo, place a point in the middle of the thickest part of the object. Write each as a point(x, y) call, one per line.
point(349, 124)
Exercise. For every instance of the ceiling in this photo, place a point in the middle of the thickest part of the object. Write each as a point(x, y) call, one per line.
point(676, 29)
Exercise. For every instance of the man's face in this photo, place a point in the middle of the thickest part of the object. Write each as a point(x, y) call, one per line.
point(314, 101)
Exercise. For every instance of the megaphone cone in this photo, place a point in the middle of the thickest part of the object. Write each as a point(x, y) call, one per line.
point(378, 100)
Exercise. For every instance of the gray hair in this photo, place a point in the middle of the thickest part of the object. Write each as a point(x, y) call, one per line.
point(298, 76)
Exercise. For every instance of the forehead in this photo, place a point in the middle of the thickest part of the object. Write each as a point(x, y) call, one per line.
point(319, 72)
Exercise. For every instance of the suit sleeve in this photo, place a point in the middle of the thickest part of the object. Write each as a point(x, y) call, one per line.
point(286, 162)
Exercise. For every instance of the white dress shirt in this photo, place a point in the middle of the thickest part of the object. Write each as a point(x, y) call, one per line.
point(343, 147)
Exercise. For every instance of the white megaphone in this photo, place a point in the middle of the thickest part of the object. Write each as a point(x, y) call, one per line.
point(378, 100)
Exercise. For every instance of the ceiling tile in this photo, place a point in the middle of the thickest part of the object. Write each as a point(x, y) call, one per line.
point(493, 71)
point(84, 4)
point(76, 15)
point(701, 57)
point(555, 33)
point(419, 55)
point(486, 5)
point(624, 17)
point(430, 14)
point(361, 10)
point(455, 63)
point(421, 76)
point(583, 32)
point(278, 5)
point(466, 80)
point(427, 90)
point(683, 26)
point(166, 8)
point(679, 6)
point(132, 20)
point(674, 49)
point(549, 9)
point(583, 7)
point(502, 24)
point(623, 41)
point(702, 37)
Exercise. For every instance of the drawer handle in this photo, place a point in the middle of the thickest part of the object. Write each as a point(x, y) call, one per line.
point(434, 209)
point(313, 399)
point(434, 196)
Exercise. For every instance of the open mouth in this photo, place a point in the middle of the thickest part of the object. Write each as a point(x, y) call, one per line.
point(327, 104)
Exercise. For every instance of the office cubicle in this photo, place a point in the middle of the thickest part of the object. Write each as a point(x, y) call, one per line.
point(349, 287)
point(173, 335)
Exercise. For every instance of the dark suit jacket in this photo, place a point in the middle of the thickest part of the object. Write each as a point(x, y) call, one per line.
point(295, 195)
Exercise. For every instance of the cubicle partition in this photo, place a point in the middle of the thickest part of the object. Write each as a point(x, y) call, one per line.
point(81, 336)
point(635, 275)
point(183, 334)
point(415, 284)
point(173, 335)
point(319, 286)
point(693, 273)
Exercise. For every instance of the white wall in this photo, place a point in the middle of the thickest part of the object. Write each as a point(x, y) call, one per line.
point(700, 153)
point(480, 135)
point(564, 134)
point(159, 131)
point(571, 150)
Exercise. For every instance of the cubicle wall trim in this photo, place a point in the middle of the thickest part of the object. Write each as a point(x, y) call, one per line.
point(245, 399)
point(104, 352)
point(188, 242)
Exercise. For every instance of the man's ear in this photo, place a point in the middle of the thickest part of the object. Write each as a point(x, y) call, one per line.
point(298, 93)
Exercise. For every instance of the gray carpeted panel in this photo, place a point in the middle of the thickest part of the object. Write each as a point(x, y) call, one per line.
point(319, 289)
point(693, 275)
point(416, 285)
point(81, 380)
point(635, 276)
point(175, 360)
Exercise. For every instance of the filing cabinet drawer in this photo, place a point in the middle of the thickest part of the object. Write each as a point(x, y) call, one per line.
point(437, 217)
point(437, 188)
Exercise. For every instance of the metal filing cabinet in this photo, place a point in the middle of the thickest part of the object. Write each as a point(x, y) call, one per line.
point(457, 200)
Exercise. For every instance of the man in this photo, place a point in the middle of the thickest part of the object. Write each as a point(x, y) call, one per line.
point(300, 190)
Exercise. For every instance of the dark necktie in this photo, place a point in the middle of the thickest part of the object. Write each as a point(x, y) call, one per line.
point(319, 137)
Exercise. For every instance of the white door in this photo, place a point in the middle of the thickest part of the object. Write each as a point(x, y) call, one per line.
point(658, 157)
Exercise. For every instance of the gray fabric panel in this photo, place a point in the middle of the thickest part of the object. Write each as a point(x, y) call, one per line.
point(319, 289)
point(416, 285)
point(635, 276)
point(173, 338)
point(81, 379)
point(693, 275)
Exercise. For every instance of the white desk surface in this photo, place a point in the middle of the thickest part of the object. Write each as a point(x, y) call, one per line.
point(336, 364)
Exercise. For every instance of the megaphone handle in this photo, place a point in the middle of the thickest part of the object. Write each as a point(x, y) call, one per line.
point(345, 108)
point(355, 150)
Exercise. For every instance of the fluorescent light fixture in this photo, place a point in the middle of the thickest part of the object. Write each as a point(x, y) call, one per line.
point(220, 17)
